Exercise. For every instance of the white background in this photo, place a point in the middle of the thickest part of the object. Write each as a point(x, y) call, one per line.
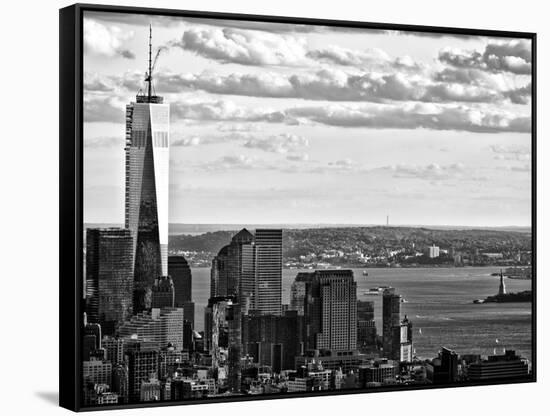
point(29, 205)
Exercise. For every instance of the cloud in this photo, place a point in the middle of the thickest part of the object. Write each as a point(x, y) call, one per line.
point(299, 157)
point(512, 56)
point(238, 128)
point(103, 109)
point(395, 116)
point(245, 47)
point(338, 85)
point(186, 142)
point(107, 41)
point(96, 83)
point(104, 142)
point(232, 162)
point(511, 153)
point(431, 172)
point(282, 143)
point(348, 57)
point(428, 116)
point(223, 111)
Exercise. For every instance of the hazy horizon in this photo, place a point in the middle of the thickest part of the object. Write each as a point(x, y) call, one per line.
point(271, 124)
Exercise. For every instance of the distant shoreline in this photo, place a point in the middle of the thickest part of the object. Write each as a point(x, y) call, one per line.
point(197, 229)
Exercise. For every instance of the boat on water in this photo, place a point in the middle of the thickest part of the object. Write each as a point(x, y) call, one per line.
point(365, 273)
point(374, 291)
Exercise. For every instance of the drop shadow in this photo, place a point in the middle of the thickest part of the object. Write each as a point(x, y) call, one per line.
point(51, 397)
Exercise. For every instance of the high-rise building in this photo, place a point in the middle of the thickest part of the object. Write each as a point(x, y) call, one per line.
point(162, 295)
point(115, 349)
point(142, 365)
point(232, 271)
point(391, 323)
point(120, 382)
point(274, 340)
point(250, 267)
point(223, 333)
point(146, 188)
point(366, 327)
point(331, 310)
point(91, 339)
point(396, 333)
point(267, 297)
point(109, 277)
point(444, 368)
point(405, 340)
point(97, 371)
point(163, 326)
point(180, 272)
point(298, 295)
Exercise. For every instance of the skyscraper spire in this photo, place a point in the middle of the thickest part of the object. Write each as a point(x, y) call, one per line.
point(149, 78)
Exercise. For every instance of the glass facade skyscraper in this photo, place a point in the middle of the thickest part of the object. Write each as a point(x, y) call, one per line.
point(146, 203)
point(109, 277)
point(268, 271)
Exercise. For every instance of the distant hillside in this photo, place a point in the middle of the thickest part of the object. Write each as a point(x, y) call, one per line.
point(298, 242)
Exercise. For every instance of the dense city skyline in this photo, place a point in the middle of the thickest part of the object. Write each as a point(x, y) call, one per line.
point(316, 123)
point(140, 339)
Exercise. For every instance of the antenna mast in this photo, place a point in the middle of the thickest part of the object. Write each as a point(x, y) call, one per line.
point(149, 77)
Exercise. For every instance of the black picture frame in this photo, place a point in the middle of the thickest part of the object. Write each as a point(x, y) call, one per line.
point(71, 191)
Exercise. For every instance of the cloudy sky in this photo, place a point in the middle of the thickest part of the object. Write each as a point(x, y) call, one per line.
point(277, 123)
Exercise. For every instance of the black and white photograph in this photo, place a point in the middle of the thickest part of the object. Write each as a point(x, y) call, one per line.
point(287, 209)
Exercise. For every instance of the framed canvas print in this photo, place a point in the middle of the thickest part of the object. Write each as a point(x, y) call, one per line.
point(260, 207)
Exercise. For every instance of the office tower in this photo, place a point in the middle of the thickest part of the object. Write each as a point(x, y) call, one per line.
point(232, 272)
point(163, 326)
point(146, 188)
point(366, 327)
point(298, 295)
point(223, 332)
point(499, 367)
point(273, 340)
point(218, 273)
point(88, 346)
point(142, 365)
point(189, 312)
point(250, 267)
point(109, 277)
point(444, 368)
point(188, 336)
point(268, 271)
point(96, 371)
point(180, 272)
point(405, 341)
point(331, 310)
point(391, 320)
point(120, 382)
point(115, 349)
point(170, 359)
point(162, 295)
point(241, 264)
